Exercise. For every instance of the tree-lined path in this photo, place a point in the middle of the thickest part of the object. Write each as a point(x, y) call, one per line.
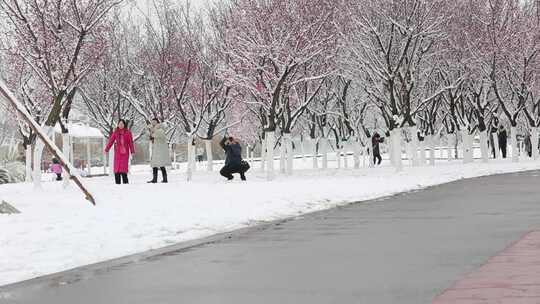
point(404, 249)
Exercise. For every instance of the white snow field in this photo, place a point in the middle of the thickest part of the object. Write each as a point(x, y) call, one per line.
point(58, 230)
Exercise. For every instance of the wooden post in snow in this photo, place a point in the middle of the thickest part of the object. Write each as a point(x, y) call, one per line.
point(66, 164)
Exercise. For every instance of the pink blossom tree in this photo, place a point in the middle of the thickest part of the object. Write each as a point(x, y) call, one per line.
point(269, 48)
point(60, 42)
point(507, 53)
point(392, 47)
point(175, 77)
point(33, 97)
point(101, 94)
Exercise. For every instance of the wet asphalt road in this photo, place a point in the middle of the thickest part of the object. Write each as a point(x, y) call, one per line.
point(403, 249)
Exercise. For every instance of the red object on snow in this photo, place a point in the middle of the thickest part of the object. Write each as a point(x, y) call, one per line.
point(123, 147)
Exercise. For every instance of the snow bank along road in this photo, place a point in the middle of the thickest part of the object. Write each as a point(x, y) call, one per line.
point(58, 230)
point(420, 247)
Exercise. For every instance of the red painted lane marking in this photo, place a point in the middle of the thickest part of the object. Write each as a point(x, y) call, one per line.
point(511, 277)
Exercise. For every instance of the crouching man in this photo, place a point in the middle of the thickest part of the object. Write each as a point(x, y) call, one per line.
point(233, 159)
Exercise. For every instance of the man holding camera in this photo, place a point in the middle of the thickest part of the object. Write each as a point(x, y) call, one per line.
point(233, 159)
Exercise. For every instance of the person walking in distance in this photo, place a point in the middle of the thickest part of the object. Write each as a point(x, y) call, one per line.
point(494, 134)
point(122, 140)
point(528, 144)
point(233, 159)
point(160, 151)
point(502, 137)
point(376, 140)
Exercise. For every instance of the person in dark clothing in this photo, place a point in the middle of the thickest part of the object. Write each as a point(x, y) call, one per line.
point(528, 145)
point(502, 137)
point(375, 142)
point(120, 178)
point(233, 158)
point(492, 134)
point(491, 142)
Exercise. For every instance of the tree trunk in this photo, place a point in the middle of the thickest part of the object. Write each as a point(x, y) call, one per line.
point(303, 149)
point(338, 157)
point(422, 155)
point(72, 150)
point(103, 156)
point(484, 148)
point(66, 149)
point(195, 163)
point(263, 155)
point(209, 155)
point(367, 157)
point(456, 150)
point(88, 156)
point(313, 142)
point(11, 148)
point(467, 147)
point(534, 143)
point(174, 156)
point(432, 147)
point(28, 163)
point(323, 144)
point(194, 158)
point(414, 145)
point(289, 153)
point(111, 161)
point(496, 145)
point(395, 136)
point(270, 141)
point(514, 142)
point(390, 144)
point(38, 157)
point(409, 152)
point(107, 162)
point(282, 156)
point(357, 151)
point(449, 145)
point(190, 162)
point(522, 152)
point(344, 152)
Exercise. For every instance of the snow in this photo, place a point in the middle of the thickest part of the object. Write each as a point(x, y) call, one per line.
point(80, 130)
point(58, 230)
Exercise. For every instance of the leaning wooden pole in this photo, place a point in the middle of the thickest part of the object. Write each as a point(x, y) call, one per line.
point(12, 100)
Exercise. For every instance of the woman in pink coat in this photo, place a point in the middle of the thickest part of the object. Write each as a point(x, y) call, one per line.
point(123, 147)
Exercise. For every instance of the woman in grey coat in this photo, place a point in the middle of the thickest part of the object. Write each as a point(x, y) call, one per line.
point(160, 151)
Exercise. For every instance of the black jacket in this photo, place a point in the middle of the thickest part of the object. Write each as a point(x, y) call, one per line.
point(233, 153)
point(502, 137)
point(375, 141)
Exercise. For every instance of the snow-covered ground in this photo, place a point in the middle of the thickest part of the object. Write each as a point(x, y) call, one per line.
point(59, 230)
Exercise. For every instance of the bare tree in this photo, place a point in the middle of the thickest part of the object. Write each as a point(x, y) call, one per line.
point(60, 42)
